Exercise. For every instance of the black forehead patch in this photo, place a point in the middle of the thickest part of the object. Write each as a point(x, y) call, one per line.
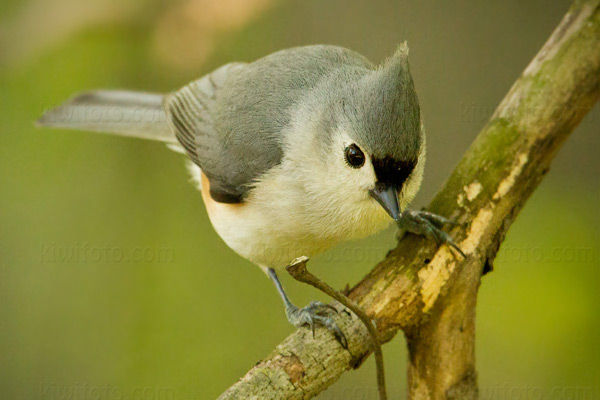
point(393, 172)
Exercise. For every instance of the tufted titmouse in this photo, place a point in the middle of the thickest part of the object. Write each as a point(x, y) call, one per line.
point(294, 153)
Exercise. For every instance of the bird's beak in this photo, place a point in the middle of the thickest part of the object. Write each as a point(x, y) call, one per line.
point(387, 197)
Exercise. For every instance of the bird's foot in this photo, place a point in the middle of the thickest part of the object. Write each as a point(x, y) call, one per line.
point(428, 224)
point(316, 313)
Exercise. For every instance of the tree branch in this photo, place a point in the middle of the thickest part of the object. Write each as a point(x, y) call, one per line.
point(425, 290)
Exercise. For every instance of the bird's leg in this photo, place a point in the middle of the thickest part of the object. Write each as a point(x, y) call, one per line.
point(428, 224)
point(298, 270)
point(316, 313)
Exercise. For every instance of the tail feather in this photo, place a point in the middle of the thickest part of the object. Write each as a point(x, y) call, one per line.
point(124, 113)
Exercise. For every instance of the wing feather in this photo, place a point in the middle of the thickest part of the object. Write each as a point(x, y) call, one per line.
point(191, 113)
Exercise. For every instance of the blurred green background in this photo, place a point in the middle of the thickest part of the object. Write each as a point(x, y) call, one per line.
point(112, 282)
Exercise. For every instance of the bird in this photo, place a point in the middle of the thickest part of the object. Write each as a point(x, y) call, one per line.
point(293, 153)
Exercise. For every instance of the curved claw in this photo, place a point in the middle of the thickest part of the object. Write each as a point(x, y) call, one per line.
point(426, 223)
point(316, 314)
point(311, 324)
point(333, 328)
point(446, 239)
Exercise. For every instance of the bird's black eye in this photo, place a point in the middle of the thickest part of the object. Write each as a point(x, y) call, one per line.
point(354, 156)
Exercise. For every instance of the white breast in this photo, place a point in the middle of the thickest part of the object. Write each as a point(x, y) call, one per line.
point(278, 223)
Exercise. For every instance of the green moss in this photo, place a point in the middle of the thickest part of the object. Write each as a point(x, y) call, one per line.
point(488, 158)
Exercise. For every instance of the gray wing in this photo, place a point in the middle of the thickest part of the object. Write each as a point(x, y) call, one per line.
point(191, 112)
point(230, 122)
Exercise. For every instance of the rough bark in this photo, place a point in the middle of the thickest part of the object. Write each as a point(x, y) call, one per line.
point(426, 290)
